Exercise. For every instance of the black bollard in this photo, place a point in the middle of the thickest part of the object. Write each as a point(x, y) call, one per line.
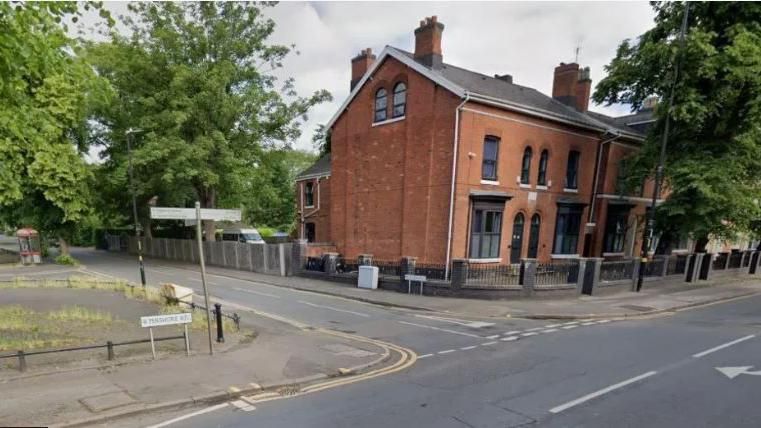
point(21, 361)
point(218, 313)
point(110, 347)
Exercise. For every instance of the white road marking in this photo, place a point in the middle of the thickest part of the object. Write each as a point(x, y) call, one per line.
point(420, 357)
point(603, 321)
point(589, 323)
point(552, 325)
point(193, 279)
point(440, 329)
point(510, 333)
point(549, 330)
point(603, 391)
point(242, 405)
point(568, 327)
point(256, 292)
point(733, 372)
point(360, 314)
point(189, 415)
point(466, 323)
point(448, 351)
point(509, 339)
point(534, 329)
point(529, 334)
point(489, 343)
point(726, 345)
point(468, 348)
point(493, 336)
point(570, 323)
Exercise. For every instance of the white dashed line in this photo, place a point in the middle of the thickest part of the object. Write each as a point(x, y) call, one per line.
point(448, 351)
point(509, 339)
point(493, 336)
point(256, 292)
point(420, 357)
point(552, 325)
point(330, 308)
point(468, 348)
point(242, 405)
point(510, 333)
point(489, 343)
point(568, 327)
point(529, 334)
point(549, 330)
point(602, 321)
point(589, 323)
point(570, 323)
point(441, 329)
point(534, 329)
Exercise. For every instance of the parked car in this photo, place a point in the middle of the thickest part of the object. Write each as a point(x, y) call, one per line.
point(246, 236)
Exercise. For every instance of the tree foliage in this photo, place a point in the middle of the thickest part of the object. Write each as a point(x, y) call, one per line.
point(197, 80)
point(46, 93)
point(714, 146)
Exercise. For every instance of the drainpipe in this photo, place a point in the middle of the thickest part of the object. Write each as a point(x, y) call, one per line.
point(454, 174)
point(591, 217)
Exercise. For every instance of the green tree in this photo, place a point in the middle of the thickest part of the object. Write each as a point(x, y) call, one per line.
point(46, 93)
point(197, 79)
point(271, 198)
point(714, 145)
point(321, 140)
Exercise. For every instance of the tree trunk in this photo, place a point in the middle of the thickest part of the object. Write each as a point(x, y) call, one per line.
point(700, 244)
point(63, 245)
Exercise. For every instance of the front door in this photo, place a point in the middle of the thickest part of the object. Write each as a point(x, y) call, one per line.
point(533, 237)
point(517, 242)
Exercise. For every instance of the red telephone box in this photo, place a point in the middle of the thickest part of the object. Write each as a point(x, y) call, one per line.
point(29, 246)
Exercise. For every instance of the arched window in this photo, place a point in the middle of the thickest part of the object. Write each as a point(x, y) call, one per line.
point(542, 178)
point(533, 236)
point(381, 101)
point(400, 100)
point(526, 166)
point(516, 244)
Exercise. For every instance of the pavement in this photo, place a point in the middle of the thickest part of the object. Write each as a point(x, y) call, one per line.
point(654, 298)
point(474, 365)
point(281, 356)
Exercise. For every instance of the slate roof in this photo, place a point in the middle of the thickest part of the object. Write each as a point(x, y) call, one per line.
point(524, 96)
point(320, 168)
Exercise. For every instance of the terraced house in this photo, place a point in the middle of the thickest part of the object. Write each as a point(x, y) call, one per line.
point(438, 162)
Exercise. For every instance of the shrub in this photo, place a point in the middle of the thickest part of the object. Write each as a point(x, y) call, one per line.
point(65, 259)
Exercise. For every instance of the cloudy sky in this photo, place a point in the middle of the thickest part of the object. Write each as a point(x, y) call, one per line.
point(524, 39)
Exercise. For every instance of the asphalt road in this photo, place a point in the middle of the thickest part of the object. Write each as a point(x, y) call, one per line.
point(659, 372)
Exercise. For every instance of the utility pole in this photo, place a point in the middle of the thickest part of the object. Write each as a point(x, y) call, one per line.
point(129, 133)
point(650, 224)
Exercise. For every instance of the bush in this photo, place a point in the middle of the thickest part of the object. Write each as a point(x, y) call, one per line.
point(65, 259)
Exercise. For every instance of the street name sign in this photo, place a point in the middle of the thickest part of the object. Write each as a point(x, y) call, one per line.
point(410, 277)
point(169, 319)
point(216, 214)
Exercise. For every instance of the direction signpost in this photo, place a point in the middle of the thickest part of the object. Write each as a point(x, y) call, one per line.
point(198, 214)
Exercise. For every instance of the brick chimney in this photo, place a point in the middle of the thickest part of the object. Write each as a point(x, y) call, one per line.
point(359, 66)
point(572, 86)
point(428, 42)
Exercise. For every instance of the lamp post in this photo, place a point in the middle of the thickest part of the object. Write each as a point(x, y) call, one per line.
point(650, 223)
point(129, 133)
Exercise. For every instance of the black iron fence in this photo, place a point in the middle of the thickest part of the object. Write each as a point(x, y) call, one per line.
point(388, 267)
point(720, 261)
point(653, 267)
point(676, 265)
point(109, 346)
point(548, 274)
point(432, 270)
point(616, 270)
point(493, 275)
point(735, 260)
point(315, 264)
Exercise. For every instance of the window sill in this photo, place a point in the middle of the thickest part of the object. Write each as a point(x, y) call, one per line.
point(387, 121)
point(308, 206)
point(613, 254)
point(567, 190)
point(541, 187)
point(565, 256)
point(524, 186)
point(680, 251)
point(497, 260)
point(490, 182)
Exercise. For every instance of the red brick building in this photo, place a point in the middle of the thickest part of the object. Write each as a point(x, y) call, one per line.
point(438, 162)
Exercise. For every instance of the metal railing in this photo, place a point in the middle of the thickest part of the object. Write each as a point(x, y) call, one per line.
point(493, 275)
point(616, 270)
point(735, 260)
point(387, 267)
point(720, 261)
point(109, 346)
point(677, 265)
point(314, 264)
point(653, 267)
point(347, 266)
point(746, 260)
point(549, 274)
point(432, 270)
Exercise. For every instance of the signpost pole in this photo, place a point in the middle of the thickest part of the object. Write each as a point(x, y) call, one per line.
point(187, 341)
point(203, 275)
point(153, 344)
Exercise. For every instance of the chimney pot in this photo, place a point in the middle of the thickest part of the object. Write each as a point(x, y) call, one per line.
point(504, 77)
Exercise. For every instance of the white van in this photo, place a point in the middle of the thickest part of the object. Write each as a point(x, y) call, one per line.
point(246, 236)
